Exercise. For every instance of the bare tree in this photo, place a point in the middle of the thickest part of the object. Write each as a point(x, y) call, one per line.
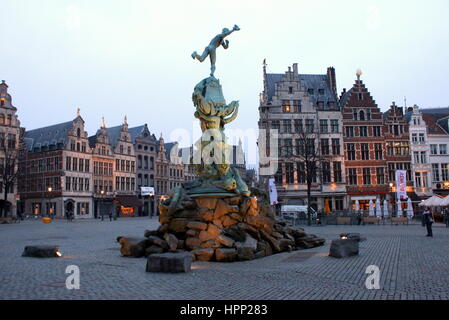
point(8, 170)
point(307, 154)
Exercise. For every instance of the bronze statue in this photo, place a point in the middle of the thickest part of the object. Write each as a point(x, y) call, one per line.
point(217, 41)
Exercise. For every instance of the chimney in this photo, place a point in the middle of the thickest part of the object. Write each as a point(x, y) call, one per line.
point(332, 80)
point(295, 69)
point(289, 69)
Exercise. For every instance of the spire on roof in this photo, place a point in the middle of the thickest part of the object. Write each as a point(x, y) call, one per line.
point(78, 112)
point(358, 73)
point(103, 123)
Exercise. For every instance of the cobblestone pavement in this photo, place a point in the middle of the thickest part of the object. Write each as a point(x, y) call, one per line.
point(412, 266)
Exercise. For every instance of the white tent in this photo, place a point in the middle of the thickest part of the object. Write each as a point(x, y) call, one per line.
point(371, 208)
point(434, 201)
point(386, 213)
point(444, 201)
point(399, 213)
point(378, 208)
point(410, 213)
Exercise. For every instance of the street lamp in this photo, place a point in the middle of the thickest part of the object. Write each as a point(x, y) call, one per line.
point(49, 189)
point(101, 202)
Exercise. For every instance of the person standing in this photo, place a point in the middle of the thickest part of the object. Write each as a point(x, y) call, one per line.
point(428, 220)
point(446, 217)
point(110, 215)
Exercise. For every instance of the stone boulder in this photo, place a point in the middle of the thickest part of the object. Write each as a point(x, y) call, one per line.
point(205, 254)
point(169, 262)
point(344, 248)
point(172, 241)
point(41, 251)
point(245, 253)
point(132, 247)
point(225, 255)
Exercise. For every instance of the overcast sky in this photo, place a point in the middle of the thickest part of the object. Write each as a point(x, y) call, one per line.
point(112, 58)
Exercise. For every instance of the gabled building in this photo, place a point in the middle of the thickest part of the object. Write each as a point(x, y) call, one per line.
point(145, 147)
point(420, 151)
point(125, 193)
point(295, 104)
point(437, 123)
point(56, 171)
point(10, 140)
point(364, 145)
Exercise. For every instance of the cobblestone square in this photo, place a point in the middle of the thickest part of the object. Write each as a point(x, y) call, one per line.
point(411, 265)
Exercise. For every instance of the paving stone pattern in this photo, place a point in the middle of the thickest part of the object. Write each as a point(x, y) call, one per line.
point(412, 266)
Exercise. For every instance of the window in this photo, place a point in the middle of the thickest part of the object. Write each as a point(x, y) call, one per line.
point(433, 149)
point(349, 132)
point(435, 172)
point(391, 172)
point(362, 115)
point(310, 146)
point(83, 147)
point(354, 114)
point(378, 151)
point(278, 175)
point(380, 175)
point(299, 147)
point(445, 171)
point(117, 183)
point(68, 183)
point(75, 183)
point(339, 204)
point(297, 106)
point(310, 91)
point(290, 90)
point(81, 165)
point(336, 147)
point(298, 125)
point(287, 126)
point(326, 172)
point(351, 151)
point(325, 147)
point(286, 109)
point(288, 147)
point(323, 126)
point(363, 131)
point(366, 176)
point(414, 137)
point(276, 125)
point(289, 173)
point(334, 126)
point(423, 157)
point(301, 172)
point(418, 182)
point(309, 125)
point(68, 163)
point(75, 164)
point(376, 131)
point(421, 138)
point(337, 172)
point(87, 165)
point(365, 151)
point(352, 176)
point(368, 114)
point(443, 149)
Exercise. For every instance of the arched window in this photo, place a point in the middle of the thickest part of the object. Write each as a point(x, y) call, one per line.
point(139, 161)
point(151, 163)
point(145, 162)
point(362, 115)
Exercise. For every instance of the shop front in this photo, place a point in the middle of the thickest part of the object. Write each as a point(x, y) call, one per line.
point(127, 206)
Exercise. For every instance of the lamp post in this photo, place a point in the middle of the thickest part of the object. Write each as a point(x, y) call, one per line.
point(391, 184)
point(101, 202)
point(49, 189)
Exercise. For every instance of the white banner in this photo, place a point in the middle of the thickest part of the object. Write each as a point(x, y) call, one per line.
point(273, 191)
point(401, 184)
point(147, 191)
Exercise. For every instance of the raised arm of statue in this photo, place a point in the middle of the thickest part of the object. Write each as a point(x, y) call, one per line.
point(209, 51)
point(234, 115)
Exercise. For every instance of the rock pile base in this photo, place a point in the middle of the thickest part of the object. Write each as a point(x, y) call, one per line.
point(219, 229)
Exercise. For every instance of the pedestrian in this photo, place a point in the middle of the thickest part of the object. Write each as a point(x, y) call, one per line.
point(359, 218)
point(446, 217)
point(428, 220)
point(110, 215)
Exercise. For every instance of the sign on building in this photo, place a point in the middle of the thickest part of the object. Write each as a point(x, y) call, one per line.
point(401, 184)
point(273, 191)
point(147, 191)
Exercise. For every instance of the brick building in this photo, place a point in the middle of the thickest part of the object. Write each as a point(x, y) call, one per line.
point(305, 104)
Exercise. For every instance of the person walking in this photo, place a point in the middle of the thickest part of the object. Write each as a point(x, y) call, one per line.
point(428, 220)
point(446, 217)
point(110, 215)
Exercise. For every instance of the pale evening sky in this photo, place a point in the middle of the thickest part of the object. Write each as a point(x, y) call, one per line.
point(112, 58)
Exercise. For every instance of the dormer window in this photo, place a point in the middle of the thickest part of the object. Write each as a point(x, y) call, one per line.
point(78, 132)
point(310, 91)
point(321, 91)
point(360, 96)
point(290, 90)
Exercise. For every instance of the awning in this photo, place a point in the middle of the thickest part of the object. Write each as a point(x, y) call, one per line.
point(129, 201)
